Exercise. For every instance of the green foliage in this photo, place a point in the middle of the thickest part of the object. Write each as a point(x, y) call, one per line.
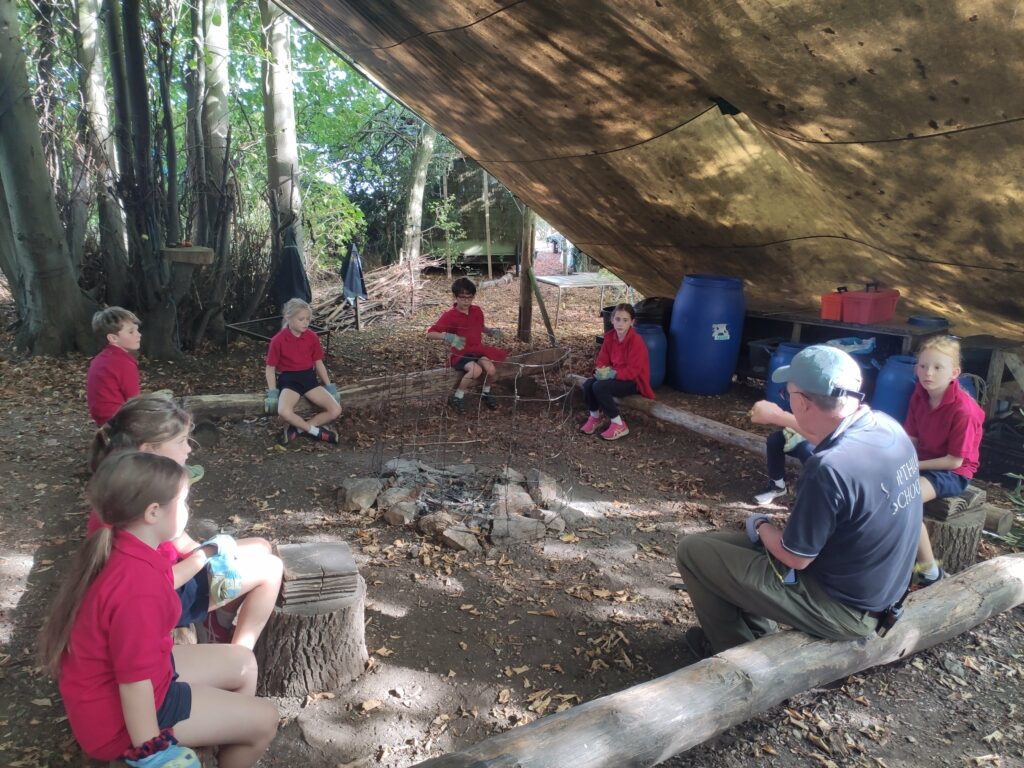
point(1015, 537)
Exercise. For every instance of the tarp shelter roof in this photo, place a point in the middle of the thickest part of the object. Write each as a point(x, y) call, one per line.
point(874, 141)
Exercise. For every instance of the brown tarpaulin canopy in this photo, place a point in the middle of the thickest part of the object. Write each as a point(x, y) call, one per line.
point(874, 141)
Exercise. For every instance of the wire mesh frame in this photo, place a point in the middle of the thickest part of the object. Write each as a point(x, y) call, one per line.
point(419, 426)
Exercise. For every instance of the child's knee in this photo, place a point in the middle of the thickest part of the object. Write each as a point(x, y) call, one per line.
point(334, 410)
point(268, 719)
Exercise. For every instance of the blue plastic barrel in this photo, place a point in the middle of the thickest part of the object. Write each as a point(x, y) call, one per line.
point(783, 355)
point(704, 339)
point(657, 349)
point(894, 386)
point(967, 385)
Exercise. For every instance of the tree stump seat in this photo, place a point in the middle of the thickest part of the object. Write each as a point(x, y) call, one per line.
point(954, 526)
point(314, 640)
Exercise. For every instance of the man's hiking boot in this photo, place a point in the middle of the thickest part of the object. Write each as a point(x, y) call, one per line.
point(698, 644)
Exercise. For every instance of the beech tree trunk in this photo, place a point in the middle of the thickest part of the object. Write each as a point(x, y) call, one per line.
point(313, 647)
point(649, 723)
point(412, 236)
point(955, 540)
point(55, 313)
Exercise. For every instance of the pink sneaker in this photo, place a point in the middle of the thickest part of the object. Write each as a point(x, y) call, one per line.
point(615, 431)
point(590, 426)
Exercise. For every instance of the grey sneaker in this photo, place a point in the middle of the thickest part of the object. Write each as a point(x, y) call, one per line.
point(458, 403)
point(698, 644)
point(771, 492)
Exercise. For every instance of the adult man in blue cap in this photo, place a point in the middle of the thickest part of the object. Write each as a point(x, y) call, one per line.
point(845, 555)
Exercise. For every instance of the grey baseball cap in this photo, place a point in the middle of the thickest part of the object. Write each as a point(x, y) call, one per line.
point(822, 370)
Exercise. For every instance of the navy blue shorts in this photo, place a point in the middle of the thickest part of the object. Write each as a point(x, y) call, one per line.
point(298, 381)
point(195, 599)
point(177, 704)
point(462, 362)
point(945, 482)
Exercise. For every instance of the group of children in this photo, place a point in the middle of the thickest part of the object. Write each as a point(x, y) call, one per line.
point(943, 421)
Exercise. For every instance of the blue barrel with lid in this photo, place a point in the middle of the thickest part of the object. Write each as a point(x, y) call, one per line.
point(657, 349)
point(894, 386)
point(783, 355)
point(704, 339)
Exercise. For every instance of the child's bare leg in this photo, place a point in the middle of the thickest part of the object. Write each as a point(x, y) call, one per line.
point(224, 711)
point(925, 555)
point(286, 403)
point(473, 372)
point(329, 408)
point(488, 365)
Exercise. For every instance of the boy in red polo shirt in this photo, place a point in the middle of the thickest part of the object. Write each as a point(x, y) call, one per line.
point(113, 375)
point(945, 425)
point(462, 329)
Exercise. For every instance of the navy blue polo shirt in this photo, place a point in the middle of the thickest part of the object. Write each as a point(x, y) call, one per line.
point(858, 512)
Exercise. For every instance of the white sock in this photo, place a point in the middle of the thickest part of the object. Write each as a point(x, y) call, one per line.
point(459, 394)
point(595, 414)
point(779, 483)
point(486, 389)
point(617, 420)
point(314, 431)
point(932, 572)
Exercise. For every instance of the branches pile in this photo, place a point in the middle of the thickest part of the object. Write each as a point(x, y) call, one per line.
point(394, 291)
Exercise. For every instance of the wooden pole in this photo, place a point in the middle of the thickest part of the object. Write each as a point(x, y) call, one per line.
point(359, 322)
point(705, 427)
point(485, 196)
point(525, 266)
point(543, 309)
point(649, 723)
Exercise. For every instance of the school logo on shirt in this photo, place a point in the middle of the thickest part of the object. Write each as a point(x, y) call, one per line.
point(720, 331)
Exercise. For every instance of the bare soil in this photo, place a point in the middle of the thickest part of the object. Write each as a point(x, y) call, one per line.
point(463, 647)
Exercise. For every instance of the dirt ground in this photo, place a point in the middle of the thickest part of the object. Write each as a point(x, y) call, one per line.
point(463, 647)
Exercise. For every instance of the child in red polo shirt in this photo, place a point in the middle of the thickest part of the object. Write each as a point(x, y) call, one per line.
point(129, 694)
point(623, 368)
point(114, 373)
point(158, 425)
point(462, 329)
point(945, 425)
point(295, 363)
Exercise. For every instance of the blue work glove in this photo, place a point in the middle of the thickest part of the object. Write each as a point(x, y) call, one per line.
point(752, 522)
point(494, 333)
point(224, 544)
point(174, 756)
point(225, 581)
point(454, 340)
point(270, 401)
point(333, 392)
point(604, 373)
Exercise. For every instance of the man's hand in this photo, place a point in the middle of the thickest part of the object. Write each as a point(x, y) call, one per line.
point(270, 401)
point(604, 373)
point(767, 412)
point(454, 340)
point(333, 392)
point(752, 522)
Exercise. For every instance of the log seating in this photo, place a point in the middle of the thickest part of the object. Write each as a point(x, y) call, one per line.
point(954, 526)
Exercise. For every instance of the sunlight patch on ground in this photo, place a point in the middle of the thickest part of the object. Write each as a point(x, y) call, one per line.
point(393, 610)
point(14, 572)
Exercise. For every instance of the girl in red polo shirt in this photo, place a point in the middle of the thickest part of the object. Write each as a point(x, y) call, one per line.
point(623, 368)
point(945, 425)
point(129, 694)
point(295, 369)
point(158, 425)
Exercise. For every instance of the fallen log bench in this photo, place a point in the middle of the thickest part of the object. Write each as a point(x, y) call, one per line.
point(433, 383)
point(705, 427)
point(315, 638)
point(649, 723)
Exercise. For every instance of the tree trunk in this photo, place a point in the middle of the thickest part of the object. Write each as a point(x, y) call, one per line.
point(955, 540)
point(194, 137)
point(102, 151)
point(525, 289)
point(215, 116)
point(56, 313)
point(313, 647)
point(79, 202)
point(649, 723)
point(413, 234)
point(8, 259)
point(485, 197)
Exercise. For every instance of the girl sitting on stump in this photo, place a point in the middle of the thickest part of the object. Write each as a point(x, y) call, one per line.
point(623, 368)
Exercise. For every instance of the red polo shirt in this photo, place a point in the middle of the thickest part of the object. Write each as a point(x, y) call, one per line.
point(629, 358)
point(113, 378)
point(289, 352)
point(954, 428)
point(122, 634)
point(469, 326)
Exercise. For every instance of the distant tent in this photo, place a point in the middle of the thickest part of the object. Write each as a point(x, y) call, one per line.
point(290, 281)
point(352, 275)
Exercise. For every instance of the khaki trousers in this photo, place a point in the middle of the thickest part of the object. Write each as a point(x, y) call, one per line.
point(738, 594)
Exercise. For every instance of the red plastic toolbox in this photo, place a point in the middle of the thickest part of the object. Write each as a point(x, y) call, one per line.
point(873, 305)
point(832, 304)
